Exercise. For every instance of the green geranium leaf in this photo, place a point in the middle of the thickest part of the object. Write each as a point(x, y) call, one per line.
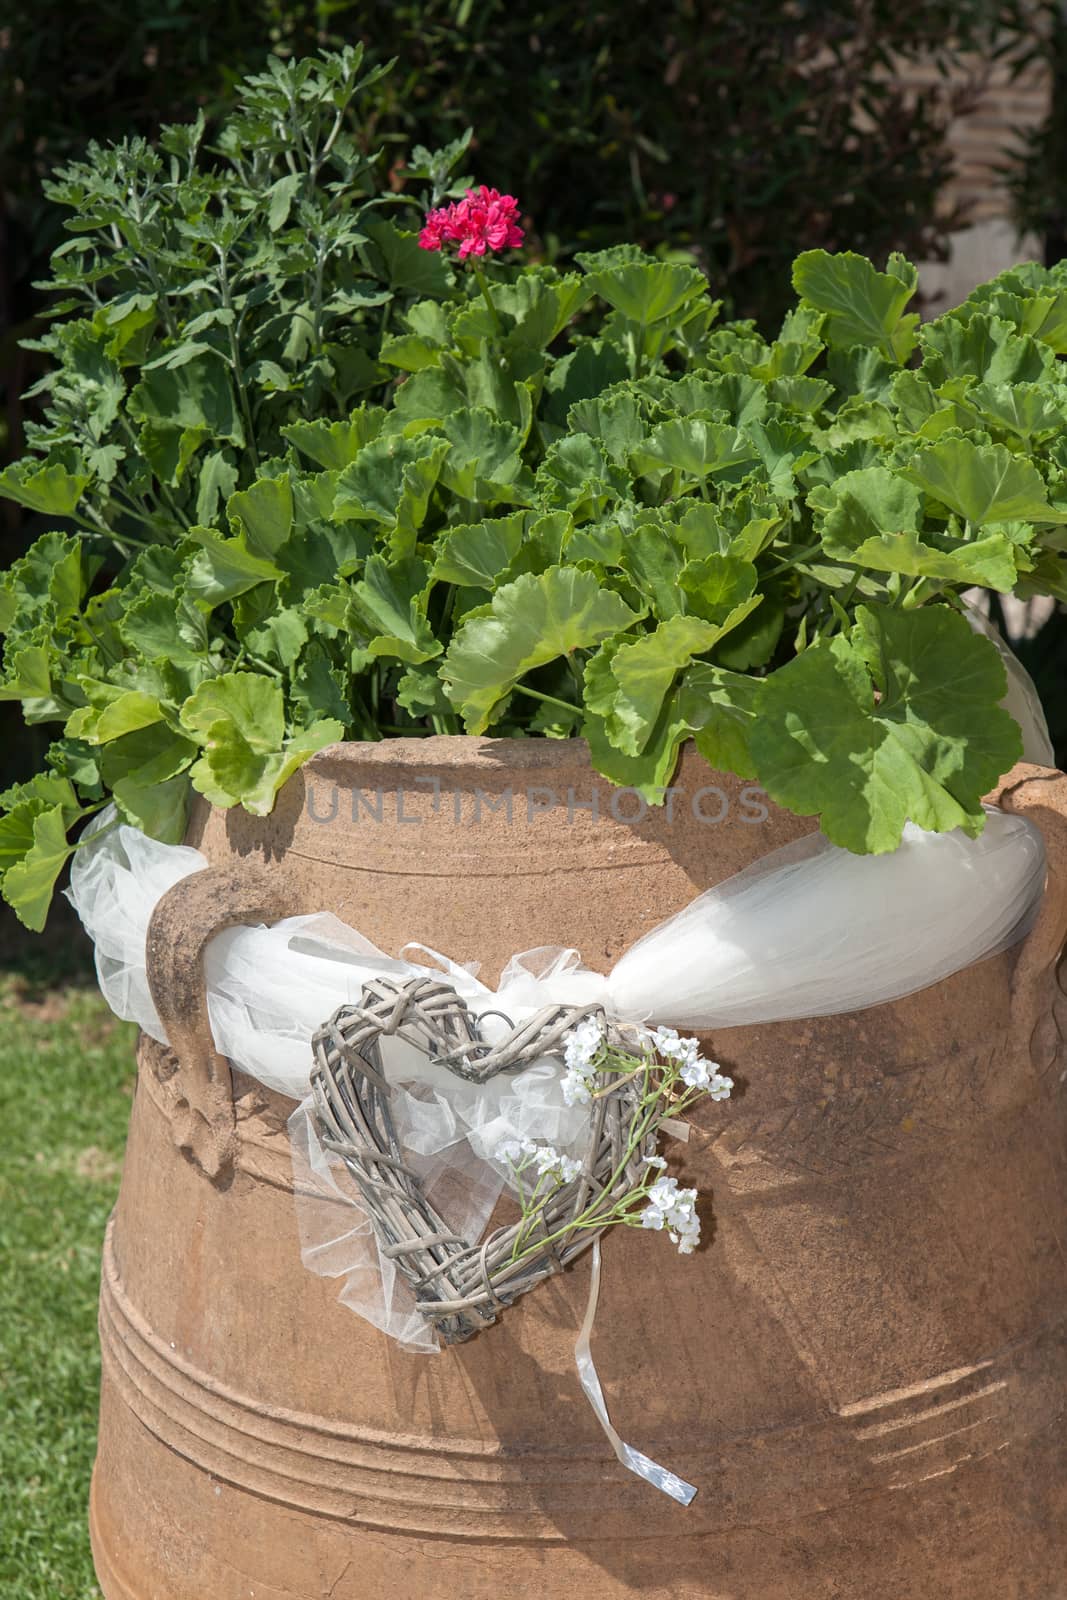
point(988, 562)
point(863, 505)
point(982, 483)
point(318, 689)
point(927, 749)
point(225, 568)
point(645, 669)
point(652, 559)
point(862, 306)
point(25, 839)
point(743, 399)
point(335, 445)
point(860, 419)
point(78, 763)
point(170, 451)
point(388, 603)
point(783, 450)
point(616, 420)
point(161, 810)
point(263, 514)
point(576, 476)
point(218, 480)
point(694, 448)
point(721, 708)
point(1025, 410)
point(48, 581)
point(409, 352)
point(533, 620)
point(645, 291)
point(581, 375)
point(484, 450)
point(197, 396)
point(51, 490)
point(719, 588)
point(279, 637)
point(150, 755)
point(29, 883)
point(28, 675)
point(126, 713)
point(252, 705)
point(984, 348)
point(804, 396)
point(390, 482)
point(421, 693)
point(159, 626)
point(16, 832)
point(714, 708)
point(475, 554)
point(232, 772)
point(404, 265)
point(540, 307)
point(650, 772)
point(240, 719)
point(861, 371)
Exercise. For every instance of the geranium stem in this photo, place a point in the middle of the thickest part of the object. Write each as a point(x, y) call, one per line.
point(549, 699)
point(483, 284)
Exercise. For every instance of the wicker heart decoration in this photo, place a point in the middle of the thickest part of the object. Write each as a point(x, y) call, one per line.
point(459, 1286)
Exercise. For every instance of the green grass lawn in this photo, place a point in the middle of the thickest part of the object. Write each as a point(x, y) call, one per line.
point(66, 1076)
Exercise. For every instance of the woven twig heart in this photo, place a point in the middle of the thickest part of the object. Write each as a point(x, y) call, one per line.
point(459, 1286)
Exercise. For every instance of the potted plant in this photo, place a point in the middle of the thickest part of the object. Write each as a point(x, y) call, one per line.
point(586, 507)
point(348, 491)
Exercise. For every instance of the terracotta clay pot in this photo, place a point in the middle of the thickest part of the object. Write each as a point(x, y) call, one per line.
point(863, 1369)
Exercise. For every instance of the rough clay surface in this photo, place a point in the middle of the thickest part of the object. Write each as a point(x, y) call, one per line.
point(864, 1369)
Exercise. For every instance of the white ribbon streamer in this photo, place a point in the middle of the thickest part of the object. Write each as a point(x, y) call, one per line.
point(659, 1477)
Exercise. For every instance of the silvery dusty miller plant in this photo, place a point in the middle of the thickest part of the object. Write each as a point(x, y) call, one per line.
point(309, 480)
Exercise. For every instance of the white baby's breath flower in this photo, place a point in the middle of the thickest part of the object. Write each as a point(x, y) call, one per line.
point(688, 1240)
point(674, 1209)
point(720, 1086)
point(577, 1086)
point(514, 1151)
point(696, 1074)
point(665, 1040)
point(582, 1044)
point(670, 1045)
point(656, 1161)
point(663, 1194)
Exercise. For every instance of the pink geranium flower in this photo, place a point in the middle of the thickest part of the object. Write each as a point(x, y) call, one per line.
point(484, 220)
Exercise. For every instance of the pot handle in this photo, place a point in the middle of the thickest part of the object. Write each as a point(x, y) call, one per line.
point(1040, 794)
point(183, 923)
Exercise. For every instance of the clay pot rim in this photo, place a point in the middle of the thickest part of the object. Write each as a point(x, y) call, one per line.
point(455, 750)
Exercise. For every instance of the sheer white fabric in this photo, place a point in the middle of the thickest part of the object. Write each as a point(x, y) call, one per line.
point(808, 930)
point(116, 879)
point(1022, 699)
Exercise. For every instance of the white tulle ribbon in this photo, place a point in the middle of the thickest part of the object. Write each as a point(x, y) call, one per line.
point(1022, 700)
point(807, 930)
point(660, 1478)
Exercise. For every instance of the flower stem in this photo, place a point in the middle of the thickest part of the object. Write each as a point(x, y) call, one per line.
point(549, 699)
point(483, 284)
